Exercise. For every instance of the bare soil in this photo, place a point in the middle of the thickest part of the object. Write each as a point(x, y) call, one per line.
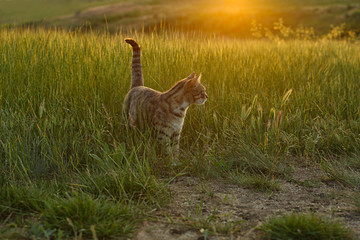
point(195, 201)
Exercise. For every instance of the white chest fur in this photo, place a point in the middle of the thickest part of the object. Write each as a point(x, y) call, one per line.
point(177, 124)
point(182, 108)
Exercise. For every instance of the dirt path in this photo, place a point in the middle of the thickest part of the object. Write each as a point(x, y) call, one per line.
point(236, 211)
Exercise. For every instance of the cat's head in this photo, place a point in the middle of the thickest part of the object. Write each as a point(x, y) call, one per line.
point(195, 92)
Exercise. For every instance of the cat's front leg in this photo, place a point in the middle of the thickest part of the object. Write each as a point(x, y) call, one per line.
point(171, 149)
point(175, 150)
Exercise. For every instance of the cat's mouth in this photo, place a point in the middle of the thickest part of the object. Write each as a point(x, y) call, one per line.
point(201, 101)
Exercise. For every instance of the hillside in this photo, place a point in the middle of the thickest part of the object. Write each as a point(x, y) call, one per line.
point(227, 17)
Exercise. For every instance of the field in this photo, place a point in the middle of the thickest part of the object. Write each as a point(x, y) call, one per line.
point(278, 135)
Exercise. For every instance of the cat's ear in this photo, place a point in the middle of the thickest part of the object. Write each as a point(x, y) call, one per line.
point(191, 83)
point(198, 78)
point(192, 75)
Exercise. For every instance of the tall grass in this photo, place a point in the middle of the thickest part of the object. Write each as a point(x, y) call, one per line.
point(61, 97)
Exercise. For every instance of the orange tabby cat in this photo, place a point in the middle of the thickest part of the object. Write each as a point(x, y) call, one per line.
point(163, 111)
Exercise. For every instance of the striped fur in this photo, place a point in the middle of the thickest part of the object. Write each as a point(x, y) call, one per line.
point(136, 70)
point(163, 111)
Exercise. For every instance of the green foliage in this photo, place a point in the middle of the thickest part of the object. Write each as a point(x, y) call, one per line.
point(83, 215)
point(57, 213)
point(123, 176)
point(280, 32)
point(22, 199)
point(304, 226)
point(346, 170)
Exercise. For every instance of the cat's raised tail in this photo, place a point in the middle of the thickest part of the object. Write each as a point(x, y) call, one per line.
point(136, 70)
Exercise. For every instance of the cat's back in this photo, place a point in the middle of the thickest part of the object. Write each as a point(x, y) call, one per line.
point(142, 95)
point(143, 92)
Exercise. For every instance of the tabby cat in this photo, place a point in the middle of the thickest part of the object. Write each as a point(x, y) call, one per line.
point(163, 111)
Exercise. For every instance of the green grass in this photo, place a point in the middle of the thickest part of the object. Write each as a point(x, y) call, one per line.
point(304, 226)
point(61, 97)
point(85, 216)
point(345, 170)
